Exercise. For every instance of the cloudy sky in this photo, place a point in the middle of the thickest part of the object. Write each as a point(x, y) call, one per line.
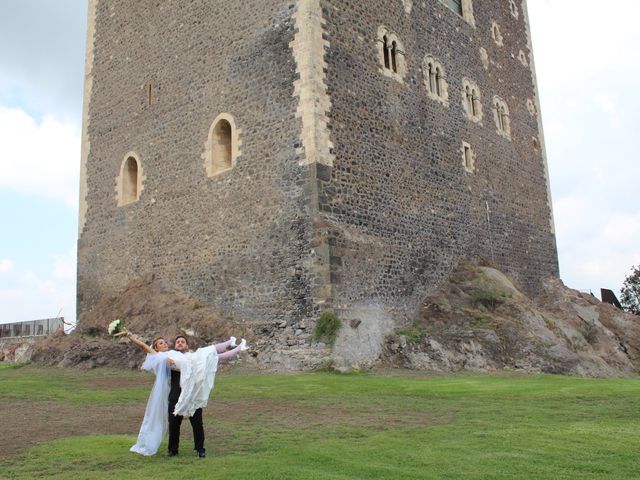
point(588, 66)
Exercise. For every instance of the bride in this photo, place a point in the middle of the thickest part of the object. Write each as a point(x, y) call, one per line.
point(197, 375)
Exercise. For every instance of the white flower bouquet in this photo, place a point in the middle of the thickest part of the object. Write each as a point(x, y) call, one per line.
point(116, 328)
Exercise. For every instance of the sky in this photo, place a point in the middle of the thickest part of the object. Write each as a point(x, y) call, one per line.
point(588, 69)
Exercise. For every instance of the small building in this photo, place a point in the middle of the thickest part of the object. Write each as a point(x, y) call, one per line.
point(32, 328)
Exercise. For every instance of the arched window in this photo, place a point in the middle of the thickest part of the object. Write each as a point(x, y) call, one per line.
point(471, 100)
point(222, 147)
point(130, 181)
point(391, 54)
point(501, 117)
point(435, 79)
point(514, 8)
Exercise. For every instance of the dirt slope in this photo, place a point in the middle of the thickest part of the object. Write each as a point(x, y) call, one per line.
point(149, 309)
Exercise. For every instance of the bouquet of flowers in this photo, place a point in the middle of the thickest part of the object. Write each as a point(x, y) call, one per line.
point(116, 328)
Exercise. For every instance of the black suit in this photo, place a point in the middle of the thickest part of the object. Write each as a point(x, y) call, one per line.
point(176, 420)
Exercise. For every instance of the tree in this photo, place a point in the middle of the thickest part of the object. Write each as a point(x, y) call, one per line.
point(630, 299)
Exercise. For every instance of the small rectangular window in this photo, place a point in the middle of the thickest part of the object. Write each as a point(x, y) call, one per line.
point(455, 5)
point(468, 160)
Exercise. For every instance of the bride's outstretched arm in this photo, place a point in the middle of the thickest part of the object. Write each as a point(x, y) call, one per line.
point(140, 343)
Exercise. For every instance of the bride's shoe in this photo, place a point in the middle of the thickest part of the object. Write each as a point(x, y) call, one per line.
point(243, 345)
point(233, 342)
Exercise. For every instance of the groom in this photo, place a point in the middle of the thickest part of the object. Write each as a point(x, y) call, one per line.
point(175, 421)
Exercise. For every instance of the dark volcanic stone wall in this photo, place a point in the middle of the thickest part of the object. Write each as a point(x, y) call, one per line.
point(397, 209)
point(401, 208)
point(235, 240)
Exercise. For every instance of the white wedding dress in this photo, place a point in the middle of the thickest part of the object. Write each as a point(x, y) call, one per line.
point(197, 375)
point(154, 424)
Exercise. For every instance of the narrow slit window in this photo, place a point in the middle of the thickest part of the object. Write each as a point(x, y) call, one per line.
point(385, 47)
point(432, 78)
point(222, 145)
point(130, 181)
point(473, 100)
point(394, 57)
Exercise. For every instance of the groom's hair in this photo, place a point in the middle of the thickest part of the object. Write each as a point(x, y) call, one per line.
point(181, 336)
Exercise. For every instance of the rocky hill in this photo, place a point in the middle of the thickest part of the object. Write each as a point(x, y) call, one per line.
point(477, 321)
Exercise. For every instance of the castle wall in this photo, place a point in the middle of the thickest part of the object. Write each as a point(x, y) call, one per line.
point(237, 240)
point(348, 188)
point(402, 210)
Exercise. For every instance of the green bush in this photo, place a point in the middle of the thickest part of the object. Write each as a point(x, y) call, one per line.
point(327, 328)
point(481, 319)
point(412, 334)
point(326, 367)
point(590, 332)
point(488, 296)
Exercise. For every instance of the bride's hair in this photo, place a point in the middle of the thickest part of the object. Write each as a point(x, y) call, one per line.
point(155, 341)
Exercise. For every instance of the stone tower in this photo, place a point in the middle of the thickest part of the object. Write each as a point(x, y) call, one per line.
point(276, 158)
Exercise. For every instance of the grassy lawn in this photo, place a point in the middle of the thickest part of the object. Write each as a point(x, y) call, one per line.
point(80, 425)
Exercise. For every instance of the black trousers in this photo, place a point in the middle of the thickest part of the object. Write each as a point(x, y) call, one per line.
point(174, 428)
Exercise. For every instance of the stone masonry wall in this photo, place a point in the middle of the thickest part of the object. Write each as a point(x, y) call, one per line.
point(402, 211)
point(238, 240)
point(349, 189)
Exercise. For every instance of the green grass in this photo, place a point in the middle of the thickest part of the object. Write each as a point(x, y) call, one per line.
point(69, 386)
point(358, 426)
